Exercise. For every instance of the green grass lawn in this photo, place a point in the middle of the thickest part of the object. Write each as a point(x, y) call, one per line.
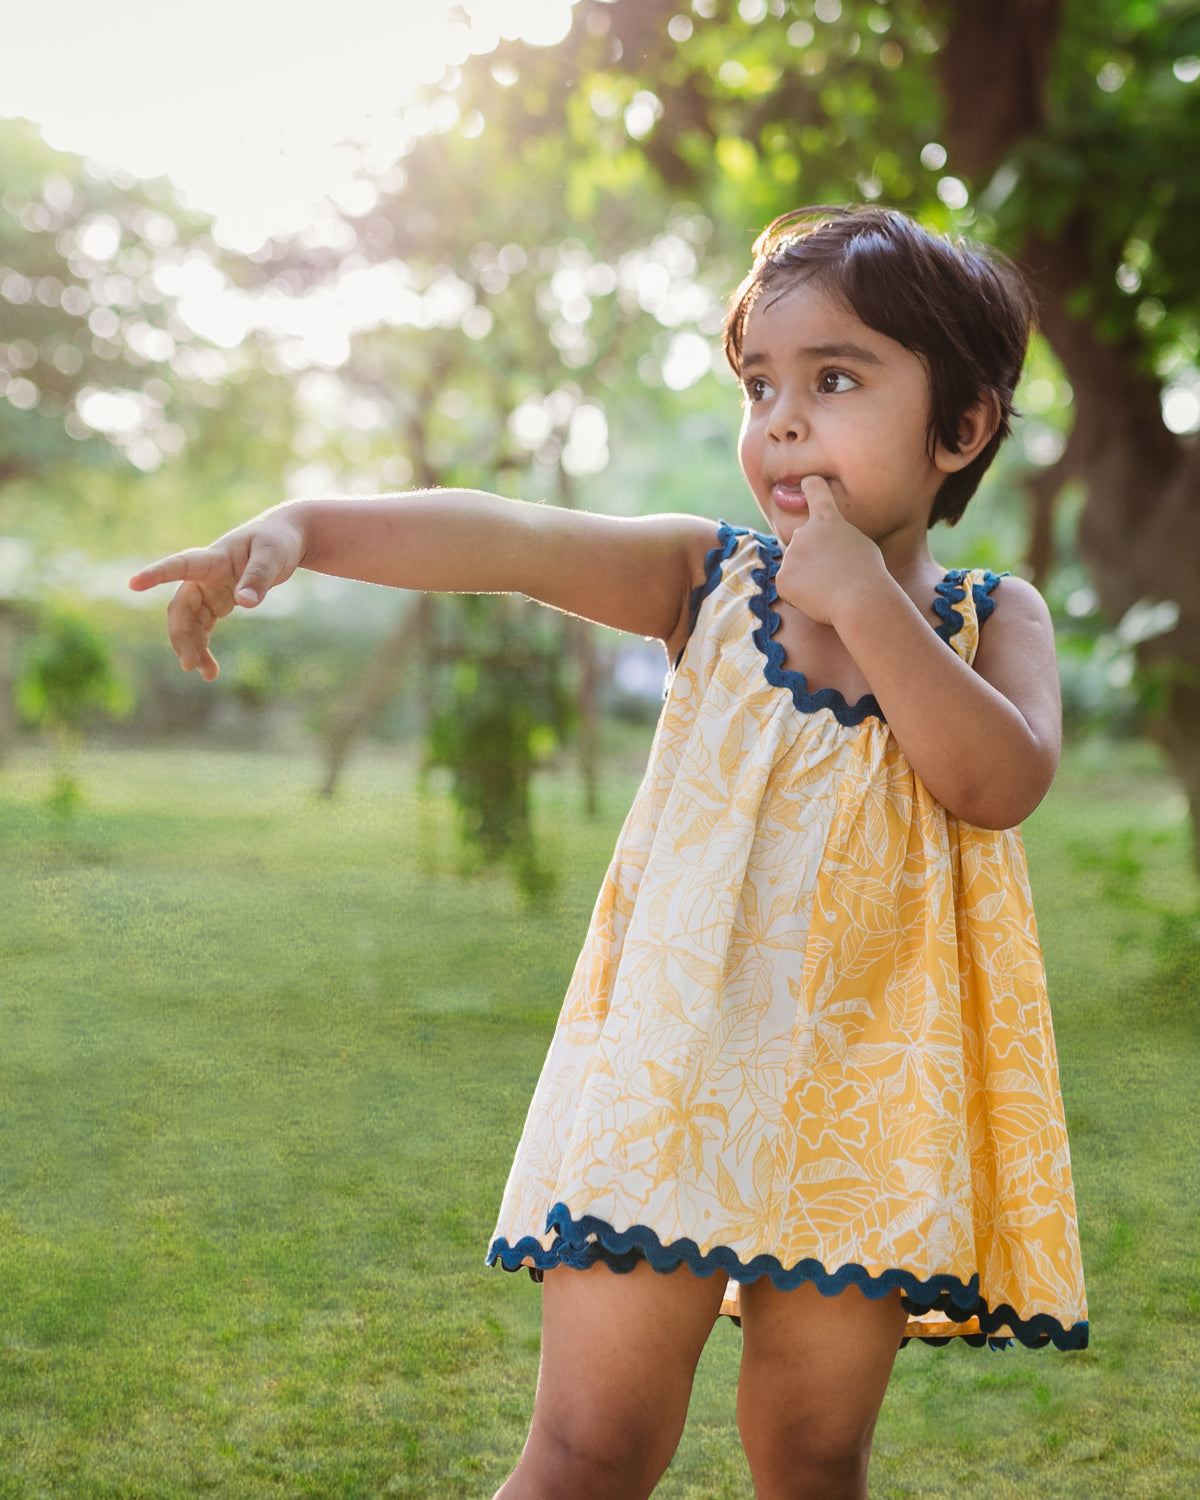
point(264, 1060)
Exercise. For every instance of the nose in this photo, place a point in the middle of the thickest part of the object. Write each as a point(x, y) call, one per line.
point(787, 422)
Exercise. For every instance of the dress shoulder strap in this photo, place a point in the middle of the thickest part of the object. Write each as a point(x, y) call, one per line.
point(964, 601)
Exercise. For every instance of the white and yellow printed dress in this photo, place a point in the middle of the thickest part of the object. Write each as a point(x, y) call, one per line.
point(808, 1035)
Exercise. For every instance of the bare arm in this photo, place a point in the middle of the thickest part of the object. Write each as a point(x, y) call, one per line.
point(985, 739)
point(632, 574)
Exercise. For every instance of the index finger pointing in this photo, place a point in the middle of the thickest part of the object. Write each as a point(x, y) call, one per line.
point(180, 567)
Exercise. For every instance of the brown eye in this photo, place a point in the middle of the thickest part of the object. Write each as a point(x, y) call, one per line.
point(835, 383)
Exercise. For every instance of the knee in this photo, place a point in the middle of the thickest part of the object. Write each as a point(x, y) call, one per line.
point(817, 1461)
point(580, 1455)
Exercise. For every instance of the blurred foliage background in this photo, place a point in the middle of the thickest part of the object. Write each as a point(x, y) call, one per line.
point(526, 297)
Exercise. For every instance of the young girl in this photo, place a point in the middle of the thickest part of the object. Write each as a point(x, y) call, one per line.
point(805, 1073)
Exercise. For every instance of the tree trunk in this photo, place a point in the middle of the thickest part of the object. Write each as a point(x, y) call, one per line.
point(366, 698)
point(1139, 531)
point(370, 694)
point(994, 68)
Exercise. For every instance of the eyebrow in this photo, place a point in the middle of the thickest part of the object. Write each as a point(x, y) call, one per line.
point(855, 353)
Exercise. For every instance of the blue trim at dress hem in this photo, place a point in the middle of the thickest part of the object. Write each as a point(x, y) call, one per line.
point(587, 1241)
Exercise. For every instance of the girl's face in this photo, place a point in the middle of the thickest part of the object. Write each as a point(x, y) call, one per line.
point(826, 395)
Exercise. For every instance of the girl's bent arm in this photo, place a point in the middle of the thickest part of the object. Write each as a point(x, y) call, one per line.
point(985, 739)
point(632, 574)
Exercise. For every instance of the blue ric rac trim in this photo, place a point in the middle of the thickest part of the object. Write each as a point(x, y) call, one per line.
point(762, 605)
point(588, 1241)
point(951, 592)
point(715, 559)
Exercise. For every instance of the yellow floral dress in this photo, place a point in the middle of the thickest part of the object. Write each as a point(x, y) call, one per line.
point(808, 1035)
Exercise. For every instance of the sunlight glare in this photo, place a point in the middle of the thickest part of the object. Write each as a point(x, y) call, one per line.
point(271, 115)
point(247, 105)
point(541, 23)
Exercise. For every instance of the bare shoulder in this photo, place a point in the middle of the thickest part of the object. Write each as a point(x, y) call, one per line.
point(688, 538)
point(1018, 610)
point(695, 538)
point(1017, 656)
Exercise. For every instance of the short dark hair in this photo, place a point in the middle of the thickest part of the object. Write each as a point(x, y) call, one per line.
point(965, 311)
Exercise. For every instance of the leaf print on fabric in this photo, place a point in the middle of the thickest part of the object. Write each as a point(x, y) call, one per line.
point(828, 1170)
point(988, 907)
point(677, 1119)
point(865, 945)
point(731, 753)
point(1016, 1081)
point(764, 1171)
point(698, 831)
point(752, 1216)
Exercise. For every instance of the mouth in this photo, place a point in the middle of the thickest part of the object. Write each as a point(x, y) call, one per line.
point(787, 492)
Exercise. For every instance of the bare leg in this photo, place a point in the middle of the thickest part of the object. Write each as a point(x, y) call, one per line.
point(813, 1377)
point(619, 1353)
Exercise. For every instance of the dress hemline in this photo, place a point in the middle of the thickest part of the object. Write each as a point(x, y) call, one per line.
point(588, 1241)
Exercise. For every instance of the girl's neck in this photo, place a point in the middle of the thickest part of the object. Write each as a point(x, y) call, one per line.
point(914, 568)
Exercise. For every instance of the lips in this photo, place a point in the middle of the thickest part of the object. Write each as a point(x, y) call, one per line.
point(787, 494)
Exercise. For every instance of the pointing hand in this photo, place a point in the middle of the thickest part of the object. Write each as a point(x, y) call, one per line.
point(238, 569)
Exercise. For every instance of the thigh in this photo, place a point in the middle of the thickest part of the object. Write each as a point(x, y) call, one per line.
point(619, 1352)
point(814, 1373)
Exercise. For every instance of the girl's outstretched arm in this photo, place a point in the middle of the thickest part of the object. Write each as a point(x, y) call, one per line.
point(632, 574)
point(985, 739)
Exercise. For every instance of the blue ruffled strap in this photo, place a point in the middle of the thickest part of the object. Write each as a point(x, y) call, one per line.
point(728, 538)
point(952, 591)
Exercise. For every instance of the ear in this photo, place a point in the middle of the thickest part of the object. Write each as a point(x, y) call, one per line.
point(975, 431)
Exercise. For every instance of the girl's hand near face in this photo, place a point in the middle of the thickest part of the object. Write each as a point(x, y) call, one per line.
point(238, 568)
point(996, 766)
point(825, 557)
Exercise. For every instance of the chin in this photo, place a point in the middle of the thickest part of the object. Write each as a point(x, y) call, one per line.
point(782, 526)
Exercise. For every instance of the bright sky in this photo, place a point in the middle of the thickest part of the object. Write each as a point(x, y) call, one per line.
point(243, 103)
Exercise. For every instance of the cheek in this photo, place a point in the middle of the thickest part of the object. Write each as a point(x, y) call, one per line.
point(748, 448)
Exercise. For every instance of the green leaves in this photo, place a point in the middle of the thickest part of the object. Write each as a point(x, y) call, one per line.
point(70, 676)
point(502, 710)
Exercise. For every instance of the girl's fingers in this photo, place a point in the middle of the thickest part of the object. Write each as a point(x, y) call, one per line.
point(237, 570)
point(260, 574)
point(180, 567)
point(191, 615)
point(267, 564)
point(818, 493)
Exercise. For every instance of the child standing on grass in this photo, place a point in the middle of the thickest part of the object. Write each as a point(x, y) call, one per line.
point(805, 1072)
